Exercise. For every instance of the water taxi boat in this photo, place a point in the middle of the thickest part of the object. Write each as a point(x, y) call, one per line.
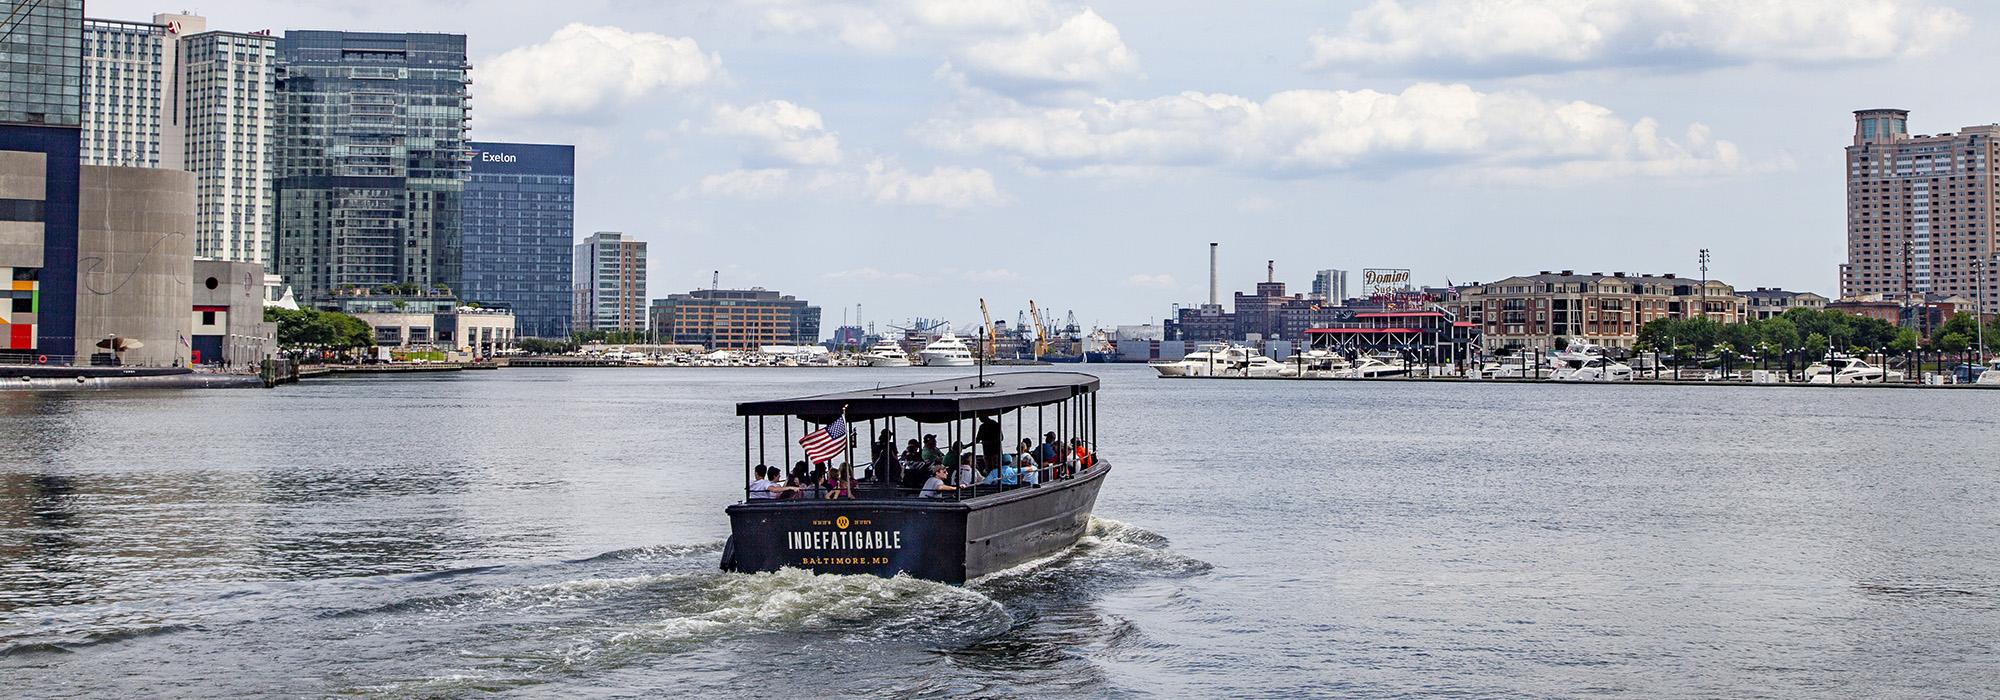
point(873, 520)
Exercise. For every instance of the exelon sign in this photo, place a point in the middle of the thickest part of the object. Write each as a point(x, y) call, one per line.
point(522, 158)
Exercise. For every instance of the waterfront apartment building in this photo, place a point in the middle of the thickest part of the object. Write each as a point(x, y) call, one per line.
point(1920, 209)
point(1330, 286)
point(609, 283)
point(1769, 302)
point(371, 160)
point(169, 93)
point(519, 234)
point(1533, 311)
point(735, 319)
point(128, 100)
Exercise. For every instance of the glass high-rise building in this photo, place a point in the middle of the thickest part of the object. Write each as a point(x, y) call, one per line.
point(41, 78)
point(519, 233)
point(371, 160)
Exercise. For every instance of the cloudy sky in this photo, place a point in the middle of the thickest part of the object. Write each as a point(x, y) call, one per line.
point(914, 156)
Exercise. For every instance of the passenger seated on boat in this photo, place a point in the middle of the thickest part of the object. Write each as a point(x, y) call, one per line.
point(1031, 471)
point(935, 486)
point(1050, 451)
point(967, 476)
point(930, 453)
point(1084, 459)
point(1008, 473)
point(760, 488)
point(793, 489)
point(840, 484)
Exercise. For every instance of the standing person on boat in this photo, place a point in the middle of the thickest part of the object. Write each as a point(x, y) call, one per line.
point(989, 439)
point(884, 453)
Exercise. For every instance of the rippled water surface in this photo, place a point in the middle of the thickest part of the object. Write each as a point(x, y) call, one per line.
point(541, 531)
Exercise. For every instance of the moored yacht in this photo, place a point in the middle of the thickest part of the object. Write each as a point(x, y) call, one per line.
point(946, 351)
point(886, 354)
point(1221, 360)
point(1847, 369)
point(1317, 364)
point(1592, 369)
point(1376, 368)
point(1992, 374)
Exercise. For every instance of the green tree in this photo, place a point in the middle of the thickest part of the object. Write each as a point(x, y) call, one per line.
point(1961, 324)
point(1954, 342)
point(1905, 341)
point(1816, 345)
point(1780, 333)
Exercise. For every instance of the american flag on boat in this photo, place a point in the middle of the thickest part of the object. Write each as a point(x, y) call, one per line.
point(826, 443)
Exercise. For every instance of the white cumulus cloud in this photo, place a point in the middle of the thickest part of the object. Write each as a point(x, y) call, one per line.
point(1084, 49)
point(946, 187)
point(1451, 128)
point(1010, 46)
point(788, 132)
point(1480, 38)
point(586, 68)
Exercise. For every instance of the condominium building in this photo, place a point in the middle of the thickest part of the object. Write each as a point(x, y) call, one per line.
point(1330, 286)
point(609, 279)
point(519, 233)
point(371, 160)
point(128, 79)
point(1920, 209)
point(735, 319)
point(169, 93)
point(1769, 302)
point(228, 107)
point(1533, 311)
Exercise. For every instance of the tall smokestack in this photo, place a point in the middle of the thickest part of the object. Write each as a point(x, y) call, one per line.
point(1270, 271)
point(1214, 295)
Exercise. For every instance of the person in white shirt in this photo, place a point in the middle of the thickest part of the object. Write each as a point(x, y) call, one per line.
point(760, 489)
point(935, 487)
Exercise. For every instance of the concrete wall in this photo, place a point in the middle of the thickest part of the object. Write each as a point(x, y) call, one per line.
point(135, 258)
point(237, 287)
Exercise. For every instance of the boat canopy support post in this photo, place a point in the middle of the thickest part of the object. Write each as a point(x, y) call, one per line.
point(746, 459)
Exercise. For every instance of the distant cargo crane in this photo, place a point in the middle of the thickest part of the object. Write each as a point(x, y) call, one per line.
point(986, 346)
point(1041, 332)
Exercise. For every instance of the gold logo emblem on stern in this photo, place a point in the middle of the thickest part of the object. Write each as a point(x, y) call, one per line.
point(840, 522)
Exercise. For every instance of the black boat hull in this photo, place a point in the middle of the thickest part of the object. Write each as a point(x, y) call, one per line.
point(939, 540)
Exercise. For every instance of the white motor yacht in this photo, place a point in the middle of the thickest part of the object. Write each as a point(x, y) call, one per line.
point(1992, 374)
point(1221, 361)
point(1317, 364)
point(1375, 368)
point(1594, 369)
point(1844, 369)
point(946, 351)
point(886, 354)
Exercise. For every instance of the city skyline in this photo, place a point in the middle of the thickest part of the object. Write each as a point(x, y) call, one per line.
point(913, 160)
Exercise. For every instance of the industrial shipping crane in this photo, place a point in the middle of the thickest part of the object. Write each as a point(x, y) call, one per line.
point(1041, 331)
point(987, 346)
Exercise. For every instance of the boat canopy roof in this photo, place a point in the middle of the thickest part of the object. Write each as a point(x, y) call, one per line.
point(933, 402)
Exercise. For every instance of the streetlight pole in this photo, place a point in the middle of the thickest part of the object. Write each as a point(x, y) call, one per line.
point(1704, 258)
point(1979, 318)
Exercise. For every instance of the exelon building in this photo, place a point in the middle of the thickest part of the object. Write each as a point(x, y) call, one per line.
point(519, 229)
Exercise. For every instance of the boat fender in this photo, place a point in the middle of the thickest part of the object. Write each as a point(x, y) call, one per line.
point(729, 554)
point(41, 359)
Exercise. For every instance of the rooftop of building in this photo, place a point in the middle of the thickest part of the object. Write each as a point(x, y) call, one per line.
point(1770, 292)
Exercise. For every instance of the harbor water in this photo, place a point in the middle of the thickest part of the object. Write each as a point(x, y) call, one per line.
point(556, 532)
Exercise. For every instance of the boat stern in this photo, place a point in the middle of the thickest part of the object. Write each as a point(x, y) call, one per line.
point(922, 539)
